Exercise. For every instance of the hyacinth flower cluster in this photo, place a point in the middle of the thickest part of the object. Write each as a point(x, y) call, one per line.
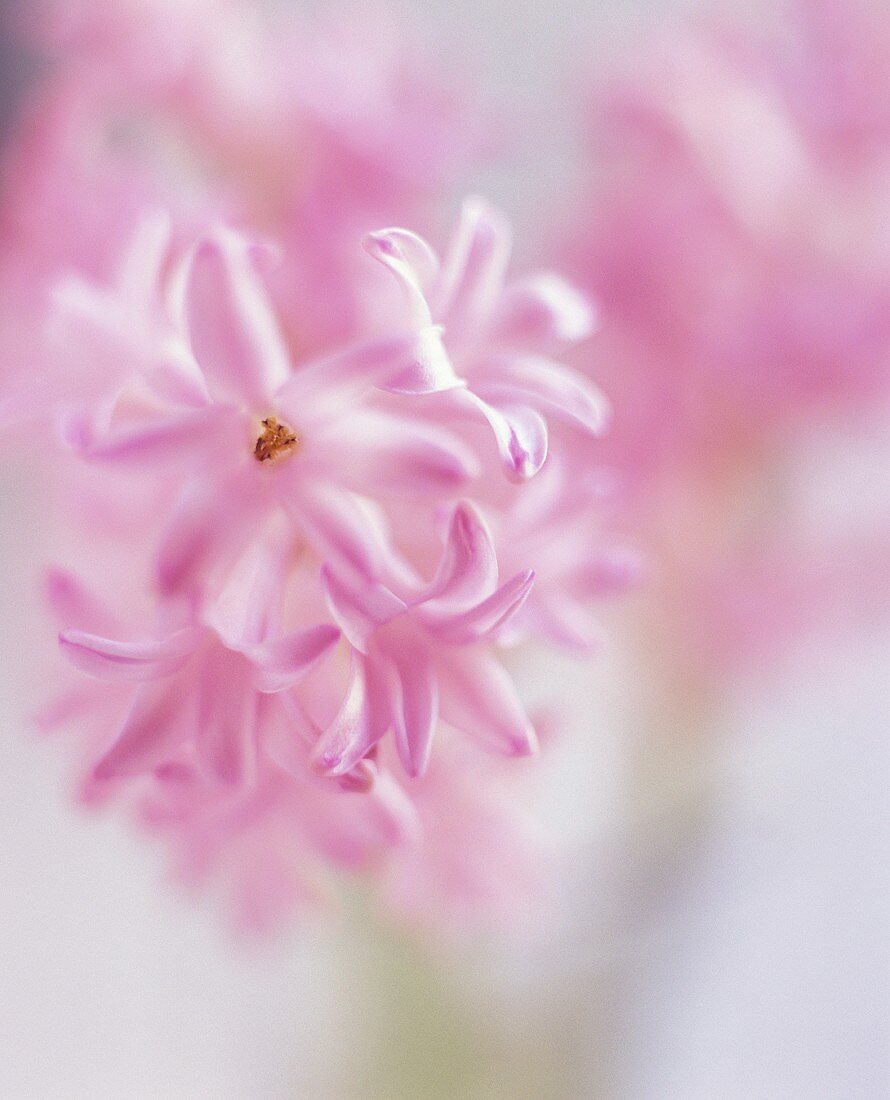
point(306, 484)
point(733, 239)
point(303, 663)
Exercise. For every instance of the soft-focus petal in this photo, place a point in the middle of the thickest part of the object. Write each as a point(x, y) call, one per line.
point(478, 697)
point(207, 526)
point(282, 662)
point(225, 732)
point(473, 271)
point(108, 659)
point(415, 702)
point(483, 620)
point(206, 437)
point(468, 568)
point(231, 325)
point(550, 387)
point(413, 263)
point(380, 453)
point(359, 608)
point(342, 528)
point(161, 718)
point(543, 311)
point(414, 363)
point(359, 724)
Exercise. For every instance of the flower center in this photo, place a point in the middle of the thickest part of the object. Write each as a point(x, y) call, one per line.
point(276, 442)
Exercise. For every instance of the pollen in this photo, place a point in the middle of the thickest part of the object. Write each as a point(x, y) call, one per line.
point(276, 442)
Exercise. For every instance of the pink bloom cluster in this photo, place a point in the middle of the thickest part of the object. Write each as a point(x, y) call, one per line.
point(735, 236)
point(310, 491)
point(736, 239)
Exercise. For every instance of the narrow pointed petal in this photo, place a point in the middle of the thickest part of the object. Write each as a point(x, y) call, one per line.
point(341, 528)
point(225, 731)
point(377, 452)
point(211, 522)
point(359, 724)
point(107, 659)
point(282, 662)
point(415, 693)
point(139, 274)
point(468, 568)
point(232, 327)
point(412, 363)
point(483, 620)
point(478, 697)
point(412, 262)
point(360, 608)
point(70, 601)
point(161, 718)
point(202, 437)
point(543, 311)
point(473, 272)
point(244, 605)
point(550, 387)
point(520, 433)
point(565, 624)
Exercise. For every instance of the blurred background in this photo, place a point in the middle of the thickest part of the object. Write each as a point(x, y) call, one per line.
point(720, 926)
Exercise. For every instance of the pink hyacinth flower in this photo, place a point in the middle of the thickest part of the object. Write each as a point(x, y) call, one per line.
point(498, 334)
point(418, 659)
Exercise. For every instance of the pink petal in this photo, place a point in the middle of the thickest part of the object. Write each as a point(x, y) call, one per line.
point(210, 523)
point(468, 568)
point(160, 719)
point(139, 274)
point(360, 608)
point(415, 363)
point(478, 697)
point(244, 605)
point(428, 370)
point(340, 527)
point(71, 602)
point(519, 431)
point(359, 724)
point(380, 453)
point(413, 263)
point(549, 386)
point(225, 731)
point(107, 659)
point(175, 377)
point(232, 327)
point(203, 437)
point(543, 311)
point(473, 272)
point(483, 620)
point(564, 623)
point(287, 732)
point(415, 702)
point(283, 662)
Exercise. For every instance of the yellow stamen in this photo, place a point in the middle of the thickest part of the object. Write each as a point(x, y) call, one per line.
point(276, 442)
